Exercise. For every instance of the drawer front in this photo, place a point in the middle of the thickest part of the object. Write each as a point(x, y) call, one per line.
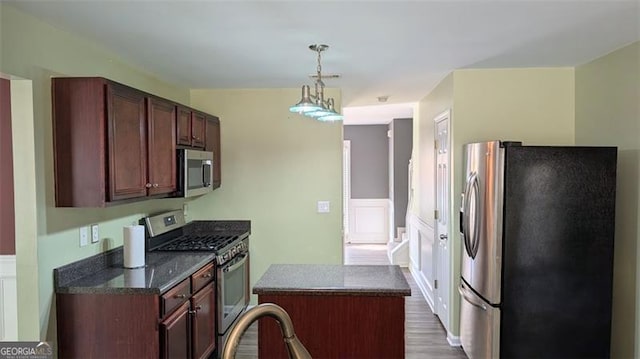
point(174, 297)
point(203, 276)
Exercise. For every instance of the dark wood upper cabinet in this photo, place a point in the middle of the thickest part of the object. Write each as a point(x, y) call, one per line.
point(127, 143)
point(113, 143)
point(161, 129)
point(212, 143)
point(197, 129)
point(190, 127)
point(184, 126)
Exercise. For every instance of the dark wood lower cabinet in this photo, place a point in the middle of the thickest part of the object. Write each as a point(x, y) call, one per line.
point(203, 327)
point(175, 334)
point(107, 326)
point(337, 326)
point(178, 324)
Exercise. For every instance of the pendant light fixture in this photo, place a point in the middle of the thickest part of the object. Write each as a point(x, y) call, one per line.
point(315, 106)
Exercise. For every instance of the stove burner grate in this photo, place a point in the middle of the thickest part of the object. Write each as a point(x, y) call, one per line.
point(199, 242)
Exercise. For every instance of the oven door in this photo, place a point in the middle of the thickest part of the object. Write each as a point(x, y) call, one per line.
point(233, 290)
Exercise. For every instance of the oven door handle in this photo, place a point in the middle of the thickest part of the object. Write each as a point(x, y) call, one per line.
point(236, 265)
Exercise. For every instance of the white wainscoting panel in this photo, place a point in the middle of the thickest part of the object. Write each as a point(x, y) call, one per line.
point(9, 302)
point(421, 257)
point(369, 220)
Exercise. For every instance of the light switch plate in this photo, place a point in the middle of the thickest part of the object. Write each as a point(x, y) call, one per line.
point(84, 236)
point(95, 236)
point(324, 207)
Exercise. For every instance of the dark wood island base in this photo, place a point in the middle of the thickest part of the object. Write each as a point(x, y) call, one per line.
point(344, 312)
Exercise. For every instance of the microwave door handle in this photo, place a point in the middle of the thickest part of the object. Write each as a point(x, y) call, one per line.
point(206, 173)
point(236, 265)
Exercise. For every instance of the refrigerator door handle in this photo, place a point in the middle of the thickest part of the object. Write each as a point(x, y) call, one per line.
point(475, 237)
point(471, 237)
point(465, 217)
point(466, 296)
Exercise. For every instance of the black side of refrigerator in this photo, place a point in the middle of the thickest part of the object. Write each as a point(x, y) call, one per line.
point(557, 252)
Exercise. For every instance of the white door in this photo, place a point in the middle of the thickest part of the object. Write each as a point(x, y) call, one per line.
point(442, 255)
point(346, 188)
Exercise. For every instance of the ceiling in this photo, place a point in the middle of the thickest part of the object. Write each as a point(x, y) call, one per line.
point(400, 49)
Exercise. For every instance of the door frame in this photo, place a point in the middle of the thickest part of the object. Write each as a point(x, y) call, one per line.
point(442, 273)
point(346, 189)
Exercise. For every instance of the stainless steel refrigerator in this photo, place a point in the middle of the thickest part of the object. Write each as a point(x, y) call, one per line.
point(537, 225)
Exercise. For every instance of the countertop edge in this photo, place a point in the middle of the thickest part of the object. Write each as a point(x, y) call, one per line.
point(333, 292)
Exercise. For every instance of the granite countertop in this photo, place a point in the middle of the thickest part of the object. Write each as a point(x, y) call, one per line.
point(319, 279)
point(162, 271)
point(104, 274)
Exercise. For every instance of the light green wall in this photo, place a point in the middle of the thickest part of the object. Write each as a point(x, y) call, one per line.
point(275, 166)
point(24, 175)
point(36, 51)
point(439, 100)
point(608, 114)
point(533, 105)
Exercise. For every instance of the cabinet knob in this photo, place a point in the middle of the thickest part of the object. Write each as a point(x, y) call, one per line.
point(155, 185)
point(198, 308)
point(207, 275)
point(148, 185)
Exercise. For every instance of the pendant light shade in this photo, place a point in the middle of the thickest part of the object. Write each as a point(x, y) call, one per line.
point(306, 105)
point(315, 106)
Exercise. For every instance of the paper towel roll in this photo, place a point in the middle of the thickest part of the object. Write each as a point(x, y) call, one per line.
point(133, 246)
point(135, 278)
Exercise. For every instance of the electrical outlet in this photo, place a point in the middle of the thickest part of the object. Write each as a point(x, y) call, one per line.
point(95, 236)
point(324, 207)
point(84, 236)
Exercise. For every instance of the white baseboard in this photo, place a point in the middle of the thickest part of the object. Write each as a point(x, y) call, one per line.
point(453, 340)
point(417, 276)
point(9, 296)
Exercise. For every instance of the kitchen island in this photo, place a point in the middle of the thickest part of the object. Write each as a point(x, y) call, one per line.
point(337, 311)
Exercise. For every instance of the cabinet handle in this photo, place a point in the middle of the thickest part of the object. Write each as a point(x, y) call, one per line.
point(207, 275)
point(179, 296)
point(148, 185)
point(193, 312)
point(198, 308)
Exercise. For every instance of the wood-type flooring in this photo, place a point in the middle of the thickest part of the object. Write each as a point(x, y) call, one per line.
point(425, 336)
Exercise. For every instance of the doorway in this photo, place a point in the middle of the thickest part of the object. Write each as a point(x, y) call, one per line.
point(442, 190)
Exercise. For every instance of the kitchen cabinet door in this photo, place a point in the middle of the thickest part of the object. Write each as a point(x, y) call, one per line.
point(183, 123)
point(197, 129)
point(161, 130)
point(212, 144)
point(127, 142)
point(203, 326)
point(175, 334)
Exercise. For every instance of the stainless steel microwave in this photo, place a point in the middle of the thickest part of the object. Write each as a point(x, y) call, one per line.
point(195, 171)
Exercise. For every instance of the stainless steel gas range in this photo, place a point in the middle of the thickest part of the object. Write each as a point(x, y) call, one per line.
point(228, 240)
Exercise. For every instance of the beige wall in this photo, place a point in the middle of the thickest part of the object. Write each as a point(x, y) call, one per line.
point(535, 106)
point(439, 100)
point(532, 105)
point(275, 166)
point(35, 51)
point(608, 114)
